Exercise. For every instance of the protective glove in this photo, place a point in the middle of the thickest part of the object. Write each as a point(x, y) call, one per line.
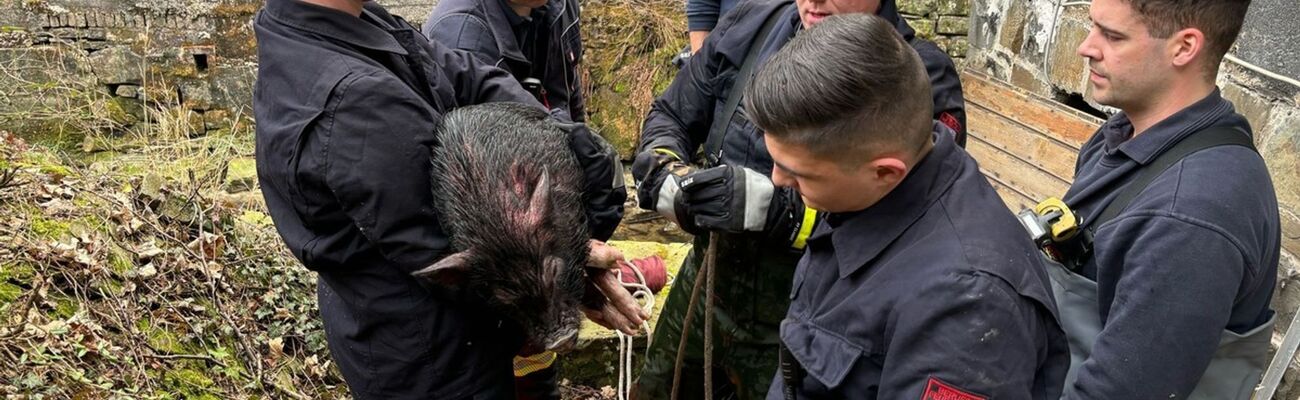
point(603, 189)
point(730, 199)
point(658, 174)
point(738, 199)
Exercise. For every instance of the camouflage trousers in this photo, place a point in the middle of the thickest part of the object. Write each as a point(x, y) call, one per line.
point(751, 295)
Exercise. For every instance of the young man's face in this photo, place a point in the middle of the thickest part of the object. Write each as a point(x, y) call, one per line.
point(813, 11)
point(824, 184)
point(1127, 66)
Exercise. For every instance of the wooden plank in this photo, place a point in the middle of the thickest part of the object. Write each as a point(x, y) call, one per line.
point(1025, 143)
point(1045, 115)
point(1015, 173)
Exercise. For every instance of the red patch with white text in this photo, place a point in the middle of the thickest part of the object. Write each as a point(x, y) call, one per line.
point(950, 121)
point(936, 389)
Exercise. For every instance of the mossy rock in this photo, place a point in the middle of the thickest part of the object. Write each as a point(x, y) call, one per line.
point(630, 46)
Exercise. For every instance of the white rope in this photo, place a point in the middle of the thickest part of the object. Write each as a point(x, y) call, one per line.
point(646, 298)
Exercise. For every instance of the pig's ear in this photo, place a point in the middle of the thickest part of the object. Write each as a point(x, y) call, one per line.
point(450, 270)
point(540, 204)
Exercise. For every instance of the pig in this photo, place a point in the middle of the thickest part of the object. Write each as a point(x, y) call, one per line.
point(508, 191)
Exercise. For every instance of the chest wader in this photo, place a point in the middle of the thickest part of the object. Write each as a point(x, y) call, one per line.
point(1240, 359)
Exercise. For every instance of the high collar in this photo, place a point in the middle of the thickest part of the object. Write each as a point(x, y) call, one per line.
point(1144, 148)
point(335, 24)
point(859, 237)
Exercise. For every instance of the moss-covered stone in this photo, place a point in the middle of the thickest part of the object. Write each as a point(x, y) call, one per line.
point(629, 49)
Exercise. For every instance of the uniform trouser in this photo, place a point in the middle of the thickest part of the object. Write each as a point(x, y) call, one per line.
point(752, 293)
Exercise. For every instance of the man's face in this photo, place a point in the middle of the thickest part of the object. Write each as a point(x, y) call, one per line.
point(824, 184)
point(813, 11)
point(1128, 67)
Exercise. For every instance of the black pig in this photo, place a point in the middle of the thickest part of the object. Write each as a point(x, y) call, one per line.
point(507, 189)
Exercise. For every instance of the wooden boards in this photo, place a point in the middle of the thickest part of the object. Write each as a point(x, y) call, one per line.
point(1025, 144)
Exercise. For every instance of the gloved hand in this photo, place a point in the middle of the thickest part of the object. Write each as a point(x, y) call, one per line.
point(658, 173)
point(731, 199)
point(603, 188)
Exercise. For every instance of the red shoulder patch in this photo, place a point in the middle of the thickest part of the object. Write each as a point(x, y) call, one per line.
point(950, 121)
point(936, 389)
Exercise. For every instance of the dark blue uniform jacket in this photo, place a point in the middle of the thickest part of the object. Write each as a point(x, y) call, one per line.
point(1193, 254)
point(935, 292)
point(546, 46)
point(680, 118)
point(346, 111)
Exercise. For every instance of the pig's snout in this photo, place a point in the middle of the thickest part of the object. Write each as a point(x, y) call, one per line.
point(563, 343)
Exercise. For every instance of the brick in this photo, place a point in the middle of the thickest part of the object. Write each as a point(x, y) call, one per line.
point(954, 25)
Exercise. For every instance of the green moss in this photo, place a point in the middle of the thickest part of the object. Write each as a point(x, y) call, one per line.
point(8, 293)
point(162, 340)
point(50, 229)
point(64, 307)
point(189, 384)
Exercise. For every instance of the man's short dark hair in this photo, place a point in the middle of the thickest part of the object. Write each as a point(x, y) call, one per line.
point(849, 87)
point(1219, 20)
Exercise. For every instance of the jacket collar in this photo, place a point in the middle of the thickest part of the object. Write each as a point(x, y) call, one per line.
point(859, 237)
point(1144, 148)
point(335, 24)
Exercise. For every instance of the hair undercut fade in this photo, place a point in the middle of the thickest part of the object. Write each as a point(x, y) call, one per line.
point(847, 88)
point(1219, 20)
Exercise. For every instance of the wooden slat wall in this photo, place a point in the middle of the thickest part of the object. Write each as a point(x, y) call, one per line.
point(1026, 145)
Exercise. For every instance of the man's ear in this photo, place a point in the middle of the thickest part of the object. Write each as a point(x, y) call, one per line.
point(889, 170)
point(450, 270)
point(1186, 47)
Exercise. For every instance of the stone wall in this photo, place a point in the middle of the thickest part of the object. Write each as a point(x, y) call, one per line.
point(943, 21)
point(1031, 44)
point(124, 65)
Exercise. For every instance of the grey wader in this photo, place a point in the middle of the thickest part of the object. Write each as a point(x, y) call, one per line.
point(1239, 360)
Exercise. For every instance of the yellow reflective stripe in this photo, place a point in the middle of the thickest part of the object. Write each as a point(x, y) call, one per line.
point(805, 229)
point(668, 152)
point(533, 363)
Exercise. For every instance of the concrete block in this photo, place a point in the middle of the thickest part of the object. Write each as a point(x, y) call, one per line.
point(951, 25)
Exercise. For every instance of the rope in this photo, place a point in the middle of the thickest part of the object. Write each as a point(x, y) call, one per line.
point(642, 293)
point(710, 256)
point(711, 270)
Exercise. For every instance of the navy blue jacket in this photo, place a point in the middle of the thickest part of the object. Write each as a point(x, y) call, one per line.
point(680, 118)
point(703, 15)
point(1193, 254)
point(492, 31)
point(933, 292)
point(346, 111)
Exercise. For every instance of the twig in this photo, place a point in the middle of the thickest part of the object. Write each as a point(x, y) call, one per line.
point(187, 357)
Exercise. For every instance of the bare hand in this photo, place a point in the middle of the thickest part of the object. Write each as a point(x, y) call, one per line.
point(603, 256)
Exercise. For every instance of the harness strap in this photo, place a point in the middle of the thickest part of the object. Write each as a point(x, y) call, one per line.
point(713, 145)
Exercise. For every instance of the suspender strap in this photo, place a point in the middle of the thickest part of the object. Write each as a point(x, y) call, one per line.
point(713, 145)
point(1214, 136)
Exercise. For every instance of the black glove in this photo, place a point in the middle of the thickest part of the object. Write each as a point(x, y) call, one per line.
point(658, 173)
point(603, 189)
point(738, 199)
point(730, 199)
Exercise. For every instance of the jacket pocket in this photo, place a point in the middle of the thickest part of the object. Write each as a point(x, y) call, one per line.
point(825, 356)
